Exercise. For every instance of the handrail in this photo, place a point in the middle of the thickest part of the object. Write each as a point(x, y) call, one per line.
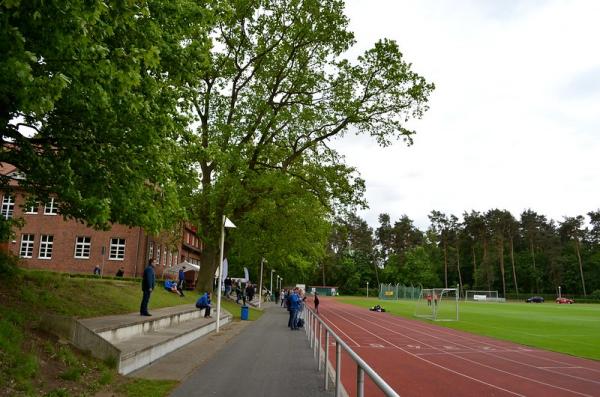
point(312, 324)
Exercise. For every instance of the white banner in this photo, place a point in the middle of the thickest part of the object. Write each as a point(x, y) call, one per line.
point(225, 268)
point(246, 274)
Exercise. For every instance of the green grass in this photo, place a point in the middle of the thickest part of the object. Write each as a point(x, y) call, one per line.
point(235, 310)
point(571, 329)
point(148, 388)
point(26, 295)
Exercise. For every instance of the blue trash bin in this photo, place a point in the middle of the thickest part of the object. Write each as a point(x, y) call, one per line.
point(245, 312)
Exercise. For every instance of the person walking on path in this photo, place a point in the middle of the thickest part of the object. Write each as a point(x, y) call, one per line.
point(181, 281)
point(204, 303)
point(316, 301)
point(147, 287)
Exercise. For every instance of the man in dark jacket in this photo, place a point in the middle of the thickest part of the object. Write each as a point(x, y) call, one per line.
point(181, 281)
point(147, 287)
point(204, 303)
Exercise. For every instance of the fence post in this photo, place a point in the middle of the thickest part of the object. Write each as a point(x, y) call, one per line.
point(319, 345)
point(326, 358)
point(338, 369)
point(360, 381)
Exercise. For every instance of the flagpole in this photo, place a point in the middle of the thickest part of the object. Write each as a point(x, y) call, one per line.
point(220, 274)
point(262, 261)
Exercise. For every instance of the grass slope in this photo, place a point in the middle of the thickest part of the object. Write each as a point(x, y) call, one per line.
point(36, 363)
point(571, 329)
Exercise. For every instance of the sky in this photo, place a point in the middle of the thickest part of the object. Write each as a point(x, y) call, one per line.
point(514, 121)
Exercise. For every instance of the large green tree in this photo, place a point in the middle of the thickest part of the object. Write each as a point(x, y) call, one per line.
point(88, 104)
point(276, 90)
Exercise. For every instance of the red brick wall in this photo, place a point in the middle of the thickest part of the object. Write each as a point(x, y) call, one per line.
point(65, 233)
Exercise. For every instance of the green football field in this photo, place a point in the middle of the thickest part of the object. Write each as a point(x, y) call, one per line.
point(572, 329)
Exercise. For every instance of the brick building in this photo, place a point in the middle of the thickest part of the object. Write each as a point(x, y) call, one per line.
point(48, 241)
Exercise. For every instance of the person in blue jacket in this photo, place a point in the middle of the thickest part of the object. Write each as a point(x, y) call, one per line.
point(294, 308)
point(204, 303)
point(147, 287)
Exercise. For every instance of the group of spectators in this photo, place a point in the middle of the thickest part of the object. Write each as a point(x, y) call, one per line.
point(242, 293)
point(293, 300)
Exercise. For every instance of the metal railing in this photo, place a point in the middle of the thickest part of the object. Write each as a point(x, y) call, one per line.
point(315, 327)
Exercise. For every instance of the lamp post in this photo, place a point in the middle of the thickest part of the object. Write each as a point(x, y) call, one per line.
point(262, 261)
point(367, 289)
point(271, 285)
point(225, 223)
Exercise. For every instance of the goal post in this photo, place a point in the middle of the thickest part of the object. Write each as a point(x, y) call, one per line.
point(438, 304)
point(482, 296)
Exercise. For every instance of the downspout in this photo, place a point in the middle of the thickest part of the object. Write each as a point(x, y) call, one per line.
point(137, 254)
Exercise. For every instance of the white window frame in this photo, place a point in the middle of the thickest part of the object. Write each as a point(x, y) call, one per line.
point(26, 247)
point(117, 249)
point(8, 206)
point(151, 250)
point(51, 207)
point(83, 245)
point(157, 258)
point(33, 210)
point(45, 248)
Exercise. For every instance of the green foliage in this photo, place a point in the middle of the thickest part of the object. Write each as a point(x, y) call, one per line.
point(276, 89)
point(88, 85)
point(72, 374)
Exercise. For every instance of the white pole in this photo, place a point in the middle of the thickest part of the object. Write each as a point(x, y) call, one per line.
point(271, 285)
point(367, 289)
point(220, 274)
point(262, 261)
point(559, 291)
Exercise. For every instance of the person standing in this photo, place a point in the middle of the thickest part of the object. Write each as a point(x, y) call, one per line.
point(316, 300)
point(181, 281)
point(147, 287)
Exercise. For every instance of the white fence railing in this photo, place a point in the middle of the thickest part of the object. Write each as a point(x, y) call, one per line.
point(315, 327)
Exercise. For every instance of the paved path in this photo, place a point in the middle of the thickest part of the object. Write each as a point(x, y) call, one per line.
point(266, 359)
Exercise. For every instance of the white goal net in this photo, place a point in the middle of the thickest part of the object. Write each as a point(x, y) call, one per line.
point(438, 304)
point(482, 296)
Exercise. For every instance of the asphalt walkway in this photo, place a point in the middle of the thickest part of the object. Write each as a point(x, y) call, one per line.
point(265, 359)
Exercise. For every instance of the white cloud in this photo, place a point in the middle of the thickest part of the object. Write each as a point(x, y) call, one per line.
point(514, 120)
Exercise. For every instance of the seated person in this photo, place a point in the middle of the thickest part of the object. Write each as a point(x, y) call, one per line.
point(377, 308)
point(204, 303)
point(120, 272)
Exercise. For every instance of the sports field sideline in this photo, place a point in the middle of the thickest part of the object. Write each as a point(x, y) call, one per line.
point(424, 358)
point(571, 329)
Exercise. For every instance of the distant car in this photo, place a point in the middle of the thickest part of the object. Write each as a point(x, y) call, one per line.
point(566, 301)
point(535, 299)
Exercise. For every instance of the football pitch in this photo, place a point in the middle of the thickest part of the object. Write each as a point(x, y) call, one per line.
point(571, 329)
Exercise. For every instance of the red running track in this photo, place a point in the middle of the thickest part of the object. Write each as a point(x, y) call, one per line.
point(420, 359)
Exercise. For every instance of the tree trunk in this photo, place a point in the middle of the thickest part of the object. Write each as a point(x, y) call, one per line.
point(512, 259)
point(537, 287)
point(208, 267)
point(445, 264)
point(501, 254)
point(580, 265)
point(474, 258)
point(460, 284)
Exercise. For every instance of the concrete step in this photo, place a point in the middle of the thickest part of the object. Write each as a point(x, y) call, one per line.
point(123, 327)
point(142, 350)
point(136, 341)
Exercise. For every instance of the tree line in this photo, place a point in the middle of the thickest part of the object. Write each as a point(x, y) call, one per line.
point(491, 250)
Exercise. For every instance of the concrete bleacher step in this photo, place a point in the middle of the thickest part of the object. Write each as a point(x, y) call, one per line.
point(136, 341)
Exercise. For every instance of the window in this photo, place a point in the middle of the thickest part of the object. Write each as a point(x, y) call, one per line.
point(51, 207)
point(82, 247)
point(46, 247)
point(33, 209)
point(157, 260)
point(8, 205)
point(151, 250)
point(168, 259)
point(117, 249)
point(26, 250)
